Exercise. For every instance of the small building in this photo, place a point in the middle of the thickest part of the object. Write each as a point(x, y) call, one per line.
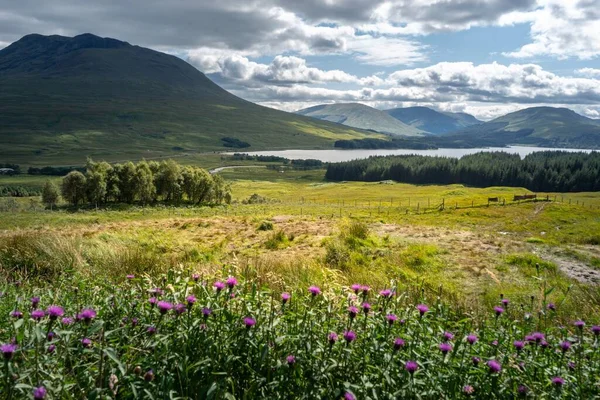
point(7, 171)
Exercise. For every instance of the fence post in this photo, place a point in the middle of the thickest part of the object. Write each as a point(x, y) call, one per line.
point(418, 205)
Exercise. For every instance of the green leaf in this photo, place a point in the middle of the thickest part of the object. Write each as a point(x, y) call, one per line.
point(113, 356)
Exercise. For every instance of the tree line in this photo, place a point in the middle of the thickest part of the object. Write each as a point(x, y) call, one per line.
point(146, 182)
point(547, 171)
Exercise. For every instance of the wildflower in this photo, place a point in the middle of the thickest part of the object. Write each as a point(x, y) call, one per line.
point(471, 339)
point(498, 311)
point(35, 301)
point(349, 336)
point(206, 312)
point(152, 301)
point(219, 286)
point(16, 314)
point(579, 324)
point(522, 390)
point(149, 376)
point(571, 365)
point(476, 361)
point(39, 393)
point(365, 290)
point(558, 381)
point(54, 312)
point(249, 322)
point(195, 277)
point(544, 344)
point(50, 336)
point(137, 370)
point(332, 338)
point(422, 309)
point(398, 343)
point(352, 312)
point(386, 293)
point(551, 306)
point(231, 282)
point(468, 390)
point(411, 367)
point(164, 307)
point(157, 292)
point(134, 321)
point(448, 336)
point(537, 337)
point(565, 346)
point(494, 366)
point(67, 321)
point(191, 299)
point(180, 308)
point(285, 297)
point(291, 360)
point(37, 314)
point(349, 396)
point(596, 330)
point(86, 342)
point(314, 290)
point(87, 315)
point(505, 302)
point(356, 288)
point(518, 345)
point(8, 350)
point(445, 348)
point(130, 277)
point(51, 348)
point(151, 330)
point(366, 307)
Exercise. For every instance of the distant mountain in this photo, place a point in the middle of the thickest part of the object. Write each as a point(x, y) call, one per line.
point(64, 98)
point(361, 116)
point(432, 121)
point(539, 126)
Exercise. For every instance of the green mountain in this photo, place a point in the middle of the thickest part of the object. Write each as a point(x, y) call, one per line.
point(62, 99)
point(432, 121)
point(361, 116)
point(539, 126)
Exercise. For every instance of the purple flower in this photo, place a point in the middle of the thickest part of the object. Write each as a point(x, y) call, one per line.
point(468, 390)
point(445, 348)
point(151, 330)
point(206, 312)
point(386, 293)
point(50, 336)
point(356, 288)
point(522, 390)
point(130, 277)
point(134, 321)
point(291, 360)
point(544, 344)
point(552, 306)
point(55, 312)
point(352, 312)
point(285, 297)
point(476, 361)
point(85, 342)
point(35, 301)
point(314, 290)
point(536, 337)
point(231, 282)
point(494, 366)
point(164, 307)
point(366, 307)
point(411, 367)
point(39, 393)
point(365, 290)
point(448, 336)
point(579, 324)
point(152, 301)
point(16, 314)
point(596, 330)
point(398, 343)
point(219, 286)
point(51, 348)
point(8, 350)
point(505, 302)
point(157, 291)
point(571, 365)
point(349, 336)
point(558, 381)
point(332, 338)
point(391, 318)
point(422, 309)
point(180, 308)
point(67, 321)
point(518, 345)
point(565, 346)
point(498, 310)
point(191, 299)
point(495, 343)
point(37, 314)
point(349, 396)
point(249, 322)
point(87, 315)
point(195, 277)
point(472, 339)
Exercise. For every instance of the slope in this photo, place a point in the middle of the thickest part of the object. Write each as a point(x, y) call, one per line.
point(432, 121)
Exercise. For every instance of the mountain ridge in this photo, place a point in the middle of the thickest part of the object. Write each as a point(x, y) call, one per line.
point(432, 121)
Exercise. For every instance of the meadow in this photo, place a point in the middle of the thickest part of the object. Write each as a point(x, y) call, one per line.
point(301, 231)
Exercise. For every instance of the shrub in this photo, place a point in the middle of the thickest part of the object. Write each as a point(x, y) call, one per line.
point(277, 240)
point(265, 226)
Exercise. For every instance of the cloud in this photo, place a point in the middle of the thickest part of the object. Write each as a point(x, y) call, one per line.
point(591, 72)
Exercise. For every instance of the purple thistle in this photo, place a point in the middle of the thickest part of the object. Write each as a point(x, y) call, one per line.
point(332, 338)
point(498, 310)
point(571, 365)
point(195, 277)
point(151, 330)
point(50, 336)
point(398, 344)
point(579, 324)
point(291, 360)
point(191, 299)
point(391, 318)
point(522, 390)
point(39, 393)
point(356, 288)
point(422, 309)
point(385, 293)
point(87, 315)
point(518, 345)
point(505, 302)
point(495, 343)
point(349, 336)
point(35, 301)
point(445, 348)
point(8, 350)
point(51, 348)
point(468, 390)
point(448, 336)
point(149, 376)
point(130, 277)
point(16, 314)
point(231, 282)
point(86, 342)
point(249, 322)
point(67, 321)
point(219, 286)
point(365, 290)
point(558, 381)
point(537, 337)
point(152, 301)
point(476, 361)
point(314, 290)
point(544, 344)
point(285, 297)
point(164, 307)
point(411, 367)
point(494, 366)
point(595, 330)
point(134, 321)
point(565, 346)
point(37, 314)
point(55, 312)
point(206, 312)
point(352, 312)
point(366, 307)
point(552, 306)
point(472, 339)
point(349, 396)
point(180, 308)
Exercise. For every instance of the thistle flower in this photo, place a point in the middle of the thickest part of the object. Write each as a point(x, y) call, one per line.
point(8, 350)
point(565, 346)
point(51, 348)
point(87, 315)
point(544, 344)
point(149, 376)
point(571, 365)
point(164, 307)
point(134, 321)
point(352, 312)
point(366, 307)
point(411, 367)
point(349, 336)
point(445, 348)
point(518, 345)
point(180, 308)
point(206, 312)
point(35, 301)
point(231, 282)
point(332, 338)
point(55, 312)
point(579, 324)
point(151, 330)
point(448, 336)
point(195, 277)
point(285, 297)
point(249, 322)
point(472, 339)
point(595, 330)
point(468, 390)
point(37, 314)
point(494, 366)
point(67, 321)
point(365, 290)
point(219, 286)
point(498, 310)
point(391, 318)
point(551, 306)
point(314, 290)
point(476, 361)
point(537, 337)
point(16, 314)
point(152, 301)
point(558, 381)
point(291, 360)
point(422, 309)
point(191, 299)
point(522, 390)
point(39, 393)
point(385, 293)
point(130, 277)
point(349, 396)
point(356, 288)
point(50, 336)
point(85, 342)
point(505, 302)
point(398, 344)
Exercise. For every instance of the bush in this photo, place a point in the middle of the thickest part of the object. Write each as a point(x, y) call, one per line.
point(265, 226)
point(277, 240)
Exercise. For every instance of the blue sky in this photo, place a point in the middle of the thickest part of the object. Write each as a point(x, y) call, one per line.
point(484, 57)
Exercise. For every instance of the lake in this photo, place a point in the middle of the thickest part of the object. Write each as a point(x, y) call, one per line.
point(338, 155)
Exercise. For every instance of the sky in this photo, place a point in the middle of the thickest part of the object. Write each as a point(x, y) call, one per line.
point(483, 57)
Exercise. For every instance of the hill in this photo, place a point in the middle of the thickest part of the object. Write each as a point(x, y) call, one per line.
point(361, 116)
point(64, 98)
point(539, 126)
point(432, 121)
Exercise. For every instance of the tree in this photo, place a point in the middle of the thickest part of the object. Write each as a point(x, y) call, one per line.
point(50, 194)
point(169, 181)
point(73, 187)
point(221, 190)
point(127, 189)
point(197, 184)
point(144, 183)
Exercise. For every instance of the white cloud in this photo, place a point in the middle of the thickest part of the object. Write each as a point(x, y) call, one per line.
point(591, 72)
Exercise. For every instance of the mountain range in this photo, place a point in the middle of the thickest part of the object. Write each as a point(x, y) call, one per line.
point(431, 121)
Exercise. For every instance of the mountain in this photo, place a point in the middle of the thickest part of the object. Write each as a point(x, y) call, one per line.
point(64, 98)
point(432, 121)
point(360, 116)
point(539, 126)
